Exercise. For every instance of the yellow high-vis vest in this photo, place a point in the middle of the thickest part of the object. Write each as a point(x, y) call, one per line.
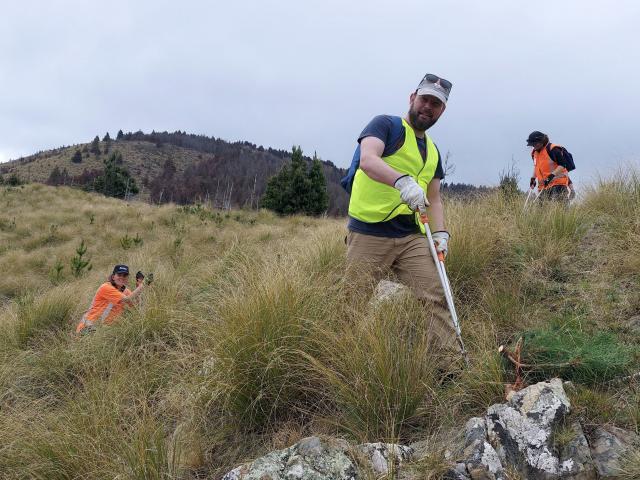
point(373, 201)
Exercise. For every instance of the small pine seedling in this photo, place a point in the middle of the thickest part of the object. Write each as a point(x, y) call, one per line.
point(56, 272)
point(126, 242)
point(80, 264)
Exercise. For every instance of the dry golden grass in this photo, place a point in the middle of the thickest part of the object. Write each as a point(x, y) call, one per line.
point(250, 336)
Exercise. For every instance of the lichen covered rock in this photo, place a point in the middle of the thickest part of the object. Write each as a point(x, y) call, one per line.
point(315, 458)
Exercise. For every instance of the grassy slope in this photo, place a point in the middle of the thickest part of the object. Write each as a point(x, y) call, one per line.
point(141, 158)
point(250, 338)
point(145, 161)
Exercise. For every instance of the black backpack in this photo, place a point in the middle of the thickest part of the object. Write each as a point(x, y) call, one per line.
point(568, 158)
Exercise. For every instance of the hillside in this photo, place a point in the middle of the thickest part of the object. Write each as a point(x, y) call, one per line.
point(177, 167)
point(251, 337)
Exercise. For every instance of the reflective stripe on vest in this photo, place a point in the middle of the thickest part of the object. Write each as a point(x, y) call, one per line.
point(544, 165)
point(106, 312)
point(373, 201)
point(85, 322)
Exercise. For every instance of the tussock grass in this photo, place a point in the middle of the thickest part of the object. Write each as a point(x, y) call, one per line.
point(380, 369)
point(630, 468)
point(262, 327)
point(34, 316)
point(548, 232)
point(252, 336)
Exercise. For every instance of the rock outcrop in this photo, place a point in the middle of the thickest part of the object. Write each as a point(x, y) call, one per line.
point(480, 458)
point(521, 430)
point(315, 458)
point(531, 435)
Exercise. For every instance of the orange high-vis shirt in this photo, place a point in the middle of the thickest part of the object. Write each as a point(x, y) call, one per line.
point(543, 165)
point(106, 305)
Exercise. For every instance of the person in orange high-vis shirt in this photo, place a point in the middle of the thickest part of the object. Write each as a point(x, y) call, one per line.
point(110, 299)
point(551, 167)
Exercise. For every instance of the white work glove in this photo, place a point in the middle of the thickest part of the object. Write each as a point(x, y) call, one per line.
point(441, 241)
point(411, 193)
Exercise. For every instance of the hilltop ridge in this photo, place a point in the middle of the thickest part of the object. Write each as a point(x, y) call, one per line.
point(186, 168)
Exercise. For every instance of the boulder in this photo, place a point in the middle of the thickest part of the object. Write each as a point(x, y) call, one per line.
point(315, 458)
point(608, 446)
point(459, 472)
point(521, 430)
point(379, 455)
point(387, 290)
point(312, 458)
point(481, 460)
point(575, 457)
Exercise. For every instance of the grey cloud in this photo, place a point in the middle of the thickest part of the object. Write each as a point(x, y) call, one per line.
point(313, 73)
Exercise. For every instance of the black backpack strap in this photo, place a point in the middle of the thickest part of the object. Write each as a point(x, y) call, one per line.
point(548, 147)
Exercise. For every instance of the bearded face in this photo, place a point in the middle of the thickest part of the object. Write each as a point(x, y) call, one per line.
point(424, 111)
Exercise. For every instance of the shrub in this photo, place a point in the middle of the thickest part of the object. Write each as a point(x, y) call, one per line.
point(77, 157)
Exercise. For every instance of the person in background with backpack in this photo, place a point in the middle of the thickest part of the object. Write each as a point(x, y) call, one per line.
point(396, 172)
point(551, 166)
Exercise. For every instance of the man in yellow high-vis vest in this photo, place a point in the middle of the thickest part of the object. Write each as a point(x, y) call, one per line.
point(398, 174)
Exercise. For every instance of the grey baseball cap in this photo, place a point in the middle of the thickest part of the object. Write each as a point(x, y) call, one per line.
point(436, 86)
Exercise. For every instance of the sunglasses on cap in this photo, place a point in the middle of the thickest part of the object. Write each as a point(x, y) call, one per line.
point(431, 78)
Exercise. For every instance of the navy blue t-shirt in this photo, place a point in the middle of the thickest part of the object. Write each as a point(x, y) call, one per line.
point(390, 130)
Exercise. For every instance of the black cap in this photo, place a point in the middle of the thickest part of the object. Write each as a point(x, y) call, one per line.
point(535, 137)
point(121, 269)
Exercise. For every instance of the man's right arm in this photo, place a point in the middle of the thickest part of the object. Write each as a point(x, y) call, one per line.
point(371, 163)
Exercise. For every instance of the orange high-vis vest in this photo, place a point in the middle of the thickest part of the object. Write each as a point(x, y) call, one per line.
point(543, 166)
point(106, 305)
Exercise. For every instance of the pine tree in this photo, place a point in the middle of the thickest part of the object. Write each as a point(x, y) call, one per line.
point(13, 180)
point(58, 177)
point(119, 135)
point(298, 185)
point(95, 146)
point(77, 157)
point(107, 143)
point(318, 197)
point(295, 189)
point(274, 196)
point(115, 181)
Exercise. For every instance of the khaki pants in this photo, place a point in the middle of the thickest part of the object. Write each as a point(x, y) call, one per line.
point(410, 260)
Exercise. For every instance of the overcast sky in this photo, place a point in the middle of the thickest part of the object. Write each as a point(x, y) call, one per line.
point(315, 72)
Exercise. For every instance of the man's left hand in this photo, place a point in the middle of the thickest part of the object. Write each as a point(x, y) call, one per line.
point(548, 180)
point(441, 241)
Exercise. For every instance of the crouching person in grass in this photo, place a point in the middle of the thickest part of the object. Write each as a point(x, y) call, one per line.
point(110, 299)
